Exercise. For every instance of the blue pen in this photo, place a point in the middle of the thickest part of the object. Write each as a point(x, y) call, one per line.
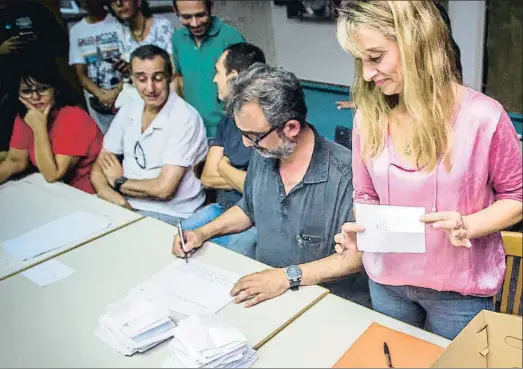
point(182, 240)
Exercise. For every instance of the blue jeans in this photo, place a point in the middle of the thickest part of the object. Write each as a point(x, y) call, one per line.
point(442, 313)
point(163, 217)
point(103, 121)
point(243, 243)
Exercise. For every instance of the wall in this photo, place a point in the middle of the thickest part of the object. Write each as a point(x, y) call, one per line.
point(253, 19)
point(503, 59)
point(468, 28)
point(310, 49)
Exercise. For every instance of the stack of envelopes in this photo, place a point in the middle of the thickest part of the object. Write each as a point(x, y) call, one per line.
point(134, 325)
point(208, 342)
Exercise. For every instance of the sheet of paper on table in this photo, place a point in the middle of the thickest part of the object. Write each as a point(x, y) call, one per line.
point(75, 227)
point(189, 288)
point(48, 273)
point(390, 229)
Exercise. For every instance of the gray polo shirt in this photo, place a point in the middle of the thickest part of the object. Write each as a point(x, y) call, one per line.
point(299, 227)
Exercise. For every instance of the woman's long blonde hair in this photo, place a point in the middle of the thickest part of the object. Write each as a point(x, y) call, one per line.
point(428, 64)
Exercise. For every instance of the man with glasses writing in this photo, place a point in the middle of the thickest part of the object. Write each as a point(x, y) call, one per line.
point(196, 48)
point(161, 138)
point(297, 192)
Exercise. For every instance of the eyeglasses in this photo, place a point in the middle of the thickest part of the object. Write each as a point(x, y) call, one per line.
point(259, 138)
point(42, 90)
point(139, 155)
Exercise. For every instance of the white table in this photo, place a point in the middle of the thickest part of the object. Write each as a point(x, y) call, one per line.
point(31, 202)
point(320, 336)
point(53, 326)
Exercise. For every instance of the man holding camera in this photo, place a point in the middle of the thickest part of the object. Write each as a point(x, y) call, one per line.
point(95, 50)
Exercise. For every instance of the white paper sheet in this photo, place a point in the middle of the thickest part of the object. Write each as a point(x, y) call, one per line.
point(189, 288)
point(49, 272)
point(390, 229)
point(76, 227)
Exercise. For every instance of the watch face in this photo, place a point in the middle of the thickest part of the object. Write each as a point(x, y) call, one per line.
point(294, 272)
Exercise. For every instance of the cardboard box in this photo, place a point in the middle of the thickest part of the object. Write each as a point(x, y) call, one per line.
point(490, 340)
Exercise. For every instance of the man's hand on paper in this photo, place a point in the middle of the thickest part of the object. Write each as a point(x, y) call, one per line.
point(193, 241)
point(260, 286)
point(111, 167)
point(346, 240)
point(453, 223)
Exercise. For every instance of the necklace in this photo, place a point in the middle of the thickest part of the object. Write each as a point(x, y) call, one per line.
point(139, 37)
point(408, 149)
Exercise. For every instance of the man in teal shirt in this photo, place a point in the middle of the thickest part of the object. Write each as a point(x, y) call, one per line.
point(196, 49)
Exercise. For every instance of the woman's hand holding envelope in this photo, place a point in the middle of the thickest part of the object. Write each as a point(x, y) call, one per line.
point(346, 240)
point(453, 223)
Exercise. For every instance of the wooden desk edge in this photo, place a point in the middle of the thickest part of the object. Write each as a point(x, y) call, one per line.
point(273, 334)
point(52, 256)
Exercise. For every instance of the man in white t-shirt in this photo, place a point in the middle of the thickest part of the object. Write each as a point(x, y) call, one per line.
point(95, 51)
point(162, 139)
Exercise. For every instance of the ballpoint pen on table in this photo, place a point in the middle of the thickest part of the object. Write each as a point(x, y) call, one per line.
point(387, 354)
point(182, 240)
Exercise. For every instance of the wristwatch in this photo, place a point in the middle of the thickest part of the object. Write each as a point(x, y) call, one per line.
point(118, 182)
point(293, 274)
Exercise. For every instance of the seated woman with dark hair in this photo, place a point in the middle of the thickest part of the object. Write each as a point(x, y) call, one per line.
point(51, 130)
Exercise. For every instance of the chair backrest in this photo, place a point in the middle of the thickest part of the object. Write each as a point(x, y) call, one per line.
point(343, 136)
point(512, 286)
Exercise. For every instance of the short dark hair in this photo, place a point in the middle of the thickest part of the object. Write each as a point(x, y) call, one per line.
point(45, 71)
point(149, 52)
point(145, 9)
point(208, 4)
point(241, 56)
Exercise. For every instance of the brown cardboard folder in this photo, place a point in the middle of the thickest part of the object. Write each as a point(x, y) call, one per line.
point(405, 351)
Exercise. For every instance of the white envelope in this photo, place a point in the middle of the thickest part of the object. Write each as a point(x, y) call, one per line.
point(390, 229)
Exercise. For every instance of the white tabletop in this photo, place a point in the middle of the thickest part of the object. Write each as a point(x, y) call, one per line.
point(31, 202)
point(320, 336)
point(53, 326)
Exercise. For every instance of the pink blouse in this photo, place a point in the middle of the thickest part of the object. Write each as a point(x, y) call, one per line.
point(487, 166)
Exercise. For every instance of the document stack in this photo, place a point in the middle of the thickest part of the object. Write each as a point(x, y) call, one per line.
point(207, 342)
point(134, 325)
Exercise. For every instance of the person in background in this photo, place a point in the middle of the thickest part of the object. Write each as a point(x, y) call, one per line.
point(228, 158)
point(348, 104)
point(95, 51)
point(28, 32)
point(141, 27)
point(51, 131)
point(196, 48)
point(162, 139)
point(421, 139)
point(297, 192)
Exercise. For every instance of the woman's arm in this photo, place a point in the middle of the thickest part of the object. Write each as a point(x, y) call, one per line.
point(53, 167)
point(497, 217)
point(505, 177)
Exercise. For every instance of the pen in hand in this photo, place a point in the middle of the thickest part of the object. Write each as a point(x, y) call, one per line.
point(182, 241)
point(387, 354)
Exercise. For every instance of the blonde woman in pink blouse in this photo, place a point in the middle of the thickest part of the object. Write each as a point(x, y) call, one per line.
point(422, 139)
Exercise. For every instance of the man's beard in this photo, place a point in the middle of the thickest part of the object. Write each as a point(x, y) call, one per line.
point(285, 149)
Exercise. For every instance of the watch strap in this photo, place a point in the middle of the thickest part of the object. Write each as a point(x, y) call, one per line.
point(119, 182)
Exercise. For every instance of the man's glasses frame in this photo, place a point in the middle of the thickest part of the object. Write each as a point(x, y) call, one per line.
point(259, 138)
point(137, 146)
